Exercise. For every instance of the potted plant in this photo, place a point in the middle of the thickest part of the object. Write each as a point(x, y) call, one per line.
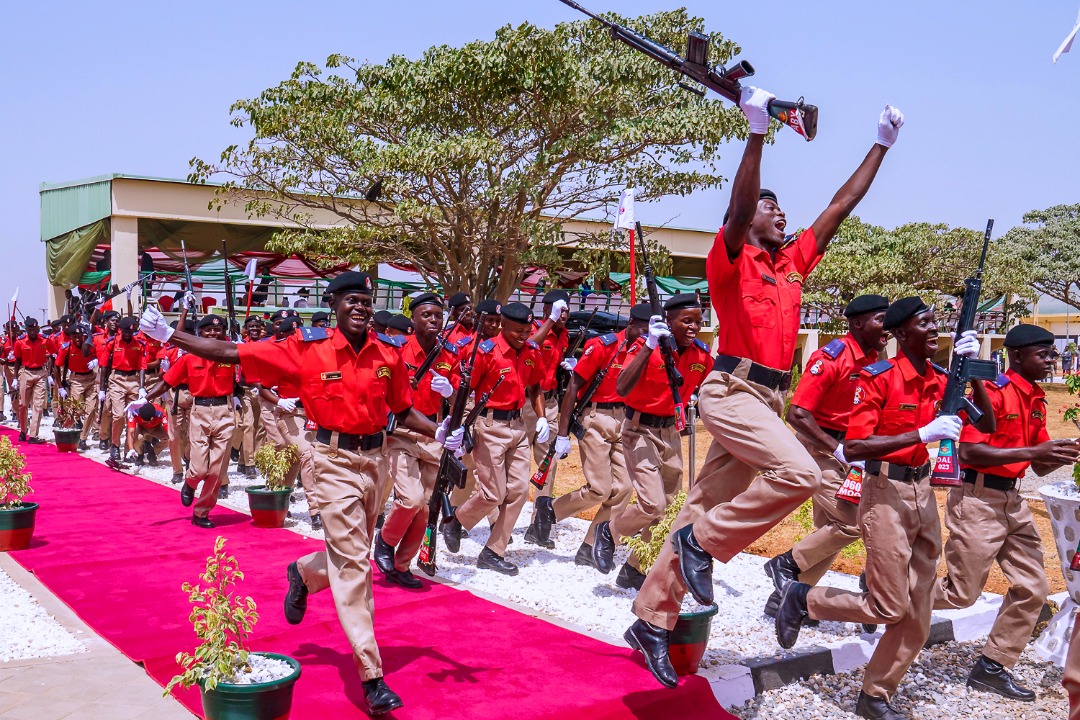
point(269, 503)
point(688, 641)
point(16, 517)
point(234, 683)
point(68, 412)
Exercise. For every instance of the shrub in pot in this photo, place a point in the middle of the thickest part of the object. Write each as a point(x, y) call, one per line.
point(233, 682)
point(16, 517)
point(68, 412)
point(269, 503)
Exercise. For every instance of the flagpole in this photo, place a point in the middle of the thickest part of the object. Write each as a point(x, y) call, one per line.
point(251, 289)
point(633, 271)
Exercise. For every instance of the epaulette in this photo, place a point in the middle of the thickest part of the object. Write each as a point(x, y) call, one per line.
point(1002, 380)
point(450, 347)
point(463, 342)
point(66, 345)
point(609, 339)
point(940, 369)
point(531, 344)
point(878, 368)
point(309, 334)
point(486, 346)
point(397, 341)
point(701, 345)
point(834, 349)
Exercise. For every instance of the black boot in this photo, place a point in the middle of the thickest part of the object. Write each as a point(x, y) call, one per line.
point(384, 555)
point(695, 565)
point(177, 478)
point(992, 677)
point(490, 560)
point(114, 457)
point(875, 708)
point(187, 494)
point(234, 454)
point(22, 437)
point(868, 628)
point(151, 457)
point(203, 522)
point(404, 578)
point(603, 549)
point(629, 578)
point(35, 441)
point(545, 521)
point(782, 570)
point(791, 614)
point(772, 604)
point(652, 642)
point(103, 444)
point(296, 597)
point(584, 556)
point(83, 447)
point(223, 492)
point(380, 698)
point(533, 537)
point(451, 533)
point(316, 522)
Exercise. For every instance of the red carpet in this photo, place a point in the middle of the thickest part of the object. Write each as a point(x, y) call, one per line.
point(116, 549)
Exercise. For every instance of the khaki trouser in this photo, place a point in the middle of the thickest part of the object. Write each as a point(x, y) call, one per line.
point(899, 524)
point(290, 429)
point(9, 377)
point(123, 389)
point(539, 450)
point(836, 521)
point(247, 422)
point(502, 478)
point(731, 504)
point(603, 464)
point(179, 427)
point(347, 487)
point(104, 411)
point(141, 435)
point(987, 525)
point(32, 397)
point(414, 466)
point(1071, 679)
point(211, 433)
point(84, 388)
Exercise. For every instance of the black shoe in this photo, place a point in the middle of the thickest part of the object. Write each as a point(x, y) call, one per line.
point(250, 472)
point(203, 522)
point(103, 444)
point(114, 456)
point(151, 457)
point(296, 597)
point(584, 555)
point(782, 570)
point(139, 460)
point(695, 565)
point(791, 614)
point(867, 628)
point(992, 677)
point(451, 534)
point(404, 578)
point(83, 447)
point(234, 455)
point(532, 536)
point(35, 441)
point(772, 604)
point(177, 478)
point(384, 555)
point(544, 520)
point(603, 549)
point(652, 642)
point(316, 522)
point(22, 437)
point(380, 698)
point(489, 560)
point(223, 492)
point(875, 708)
point(629, 578)
point(380, 521)
point(187, 494)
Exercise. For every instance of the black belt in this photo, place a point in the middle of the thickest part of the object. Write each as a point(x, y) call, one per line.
point(835, 434)
point(27, 367)
point(758, 374)
point(605, 405)
point(83, 374)
point(501, 414)
point(126, 373)
point(994, 482)
point(655, 421)
point(212, 401)
point(183, 386)
point(350, 442)
point(903, 473)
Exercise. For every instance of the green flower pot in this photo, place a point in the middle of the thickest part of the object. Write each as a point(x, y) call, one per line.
point(261, 701)
point(687, 642)
point(268, 507)
point(17, 527)
point(67, 440)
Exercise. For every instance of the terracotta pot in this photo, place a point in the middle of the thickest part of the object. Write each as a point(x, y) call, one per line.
point(268, 507)
point(687, 642)
point(67, 440)
point(261, 701)
point(17, 527)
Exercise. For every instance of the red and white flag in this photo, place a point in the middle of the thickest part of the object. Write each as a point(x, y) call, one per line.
point(624, 220)
point(1066, 46)
point(250, 270)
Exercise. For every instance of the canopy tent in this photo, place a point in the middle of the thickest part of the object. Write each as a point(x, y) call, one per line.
point(670, 285)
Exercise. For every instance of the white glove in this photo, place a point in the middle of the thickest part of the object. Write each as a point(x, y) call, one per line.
point(543, 430)
point(941, 428)
point(658, 329)
point(453, 440)
point(441, 385)
point(562, 446)
point(557, 310)
point(92, 365)
point(190, 300)
point(441, 430)
point(164, 364)
point(861, 464)
point(838, 453)
point(755, 106)
point(968, 344)
point(48, 382)
point(132, 455)
point(569, 364)
point(134, 405)
point(287, 404)
point(142, 393)
point(152, 324)
point(101, 396)
point(63, 394)
point(888, 126)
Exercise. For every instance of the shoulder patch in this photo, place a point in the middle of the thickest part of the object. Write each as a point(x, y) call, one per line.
point(398, 341)
point(531, 344)
point(878, 368)
point(66, 345)
point(1002, 380)
point(834, 349)
point(486, 346)
point(450, 347)
point(940, 369)
point(464, 341)
point(609, 339)
point(309, 334)
point(701, 345)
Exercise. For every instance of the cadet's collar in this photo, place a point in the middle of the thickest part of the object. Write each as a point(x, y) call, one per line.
point(908, 370)
point(857, 350)
point(1023, 385)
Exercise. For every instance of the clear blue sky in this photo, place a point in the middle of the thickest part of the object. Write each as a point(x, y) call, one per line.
point(142, 87)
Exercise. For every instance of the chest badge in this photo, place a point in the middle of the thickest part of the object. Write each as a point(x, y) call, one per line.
point(382, 372)
point(858, 395)
point(335, 375)
point(794, 277)
point(815, 369)
point(769, 279)
point(908, 406)
point(1038, 415)
point(697, 367)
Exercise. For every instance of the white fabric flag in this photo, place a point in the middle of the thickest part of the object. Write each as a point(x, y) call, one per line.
point(251, 269)
point(15, 297)
point(625, 219)
point(1066, 46)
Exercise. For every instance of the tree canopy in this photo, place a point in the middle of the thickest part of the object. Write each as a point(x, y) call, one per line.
point(1049, 252)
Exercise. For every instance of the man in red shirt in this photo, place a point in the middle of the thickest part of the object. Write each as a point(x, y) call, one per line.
point(650, 441)
point(349, 382)
point(178, 400)
point(819, 416)
point(461, 309)
point(31, 368)
point(988, 519)
point(501, 446)
point(756, 472)
point(893, 419)
point(11, 335)
point(75, 376)
point(148, 426)
point(110, 325)
point(123, 382)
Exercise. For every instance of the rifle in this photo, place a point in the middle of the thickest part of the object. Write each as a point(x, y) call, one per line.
point(799, 116)
point(961, 371)
point(562, 376)
point(667, 344)
point(452, 471)
point(190, 284)
point(230, 302)
point(433, 354)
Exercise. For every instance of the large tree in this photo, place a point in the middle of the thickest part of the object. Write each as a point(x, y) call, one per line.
point(479, 151)
point(1050, 251)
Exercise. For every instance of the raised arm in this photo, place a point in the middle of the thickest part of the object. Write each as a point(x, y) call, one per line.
point(153, 325)
point(746, 189)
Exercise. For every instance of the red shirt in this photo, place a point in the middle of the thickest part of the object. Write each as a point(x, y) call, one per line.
point(9, 349)
point(756, 298)
point(447, 364)
point(1020, 409)
point(520, 369)
point(827, 388)
point(892, 398)
point(125, 355)
point(204, 378)
point(71, 355)
point(160, 420)
point(459, 333)
point(652, 394)
point(552, 350)
point(598, 353)
point(56, 340)
point(32, 353)
point(342, 389)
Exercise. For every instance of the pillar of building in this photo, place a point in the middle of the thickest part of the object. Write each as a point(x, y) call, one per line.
point(125, 250)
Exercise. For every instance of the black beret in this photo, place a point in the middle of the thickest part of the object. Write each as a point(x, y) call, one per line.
point(400, 322)
point(642, 312)
point(1025, 335)
point(288, 325)
point(765, 193)
point(903, 309)
point(517, 312)
point(351, 280)
point(279, 315)
point(553, 296)
point(458, 299)
point(30, 322)
point(129, 323)
point(319, 317)
point(682, 300)
point(382, 317)
point(147, 412)
point(866, 304)
point(80, 329)
point(426, 299)
point(251, 320)
point(64, 319)
point(209, 321)
point(109, 314)
point(490, 306)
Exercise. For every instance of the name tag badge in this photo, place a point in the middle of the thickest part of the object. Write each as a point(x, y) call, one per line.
point(768, 278)
point(908, 406)
point(1013, 416)
point(334, 375)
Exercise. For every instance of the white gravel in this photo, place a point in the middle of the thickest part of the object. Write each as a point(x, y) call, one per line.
point(261, 669)
point(28, 631)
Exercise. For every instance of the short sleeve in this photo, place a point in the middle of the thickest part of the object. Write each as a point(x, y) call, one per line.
point(719, 268)
point(866, 410)
point(399, 390)
point(813, 387)
point(177, 374)
point(804, 253)
point(592, 359)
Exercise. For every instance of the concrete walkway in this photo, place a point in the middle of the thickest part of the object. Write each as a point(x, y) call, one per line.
point(100, 684)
